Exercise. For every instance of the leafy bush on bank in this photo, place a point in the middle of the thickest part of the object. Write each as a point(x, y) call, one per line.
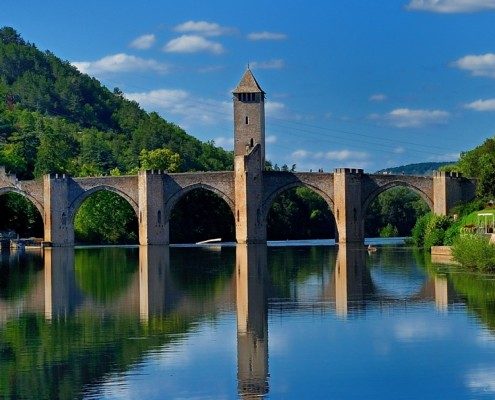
point(430, 230)
point(434, 230)
point(474, 251)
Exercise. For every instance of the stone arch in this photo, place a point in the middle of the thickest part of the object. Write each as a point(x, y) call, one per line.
point(268, 200)
point(36, 203)
point(76, 203)
point(174, 199)
point(375, 193)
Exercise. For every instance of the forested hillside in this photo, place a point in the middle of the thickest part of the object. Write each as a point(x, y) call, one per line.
point(425, 168)
point(55, 119)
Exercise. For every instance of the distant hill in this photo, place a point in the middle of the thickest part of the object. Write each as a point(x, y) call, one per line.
point(425, 168)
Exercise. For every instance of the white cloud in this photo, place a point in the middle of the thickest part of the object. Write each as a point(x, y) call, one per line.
point(210, 68)
point(182, 103)
point(164, 98)
point(143, 42)
point(482, 105)
point(267, 36)
point(119, 63)
point(192, 44)
point(410, 118)
point(478, 65)
point(301, 154)
point(274, 108)
point(335, 155)
point(342, 155)
point(451, 6)
point(270, 64)
point(378, 97)
point(225, 142)
point(399, 150)
point(202, 28)
point(270, 139)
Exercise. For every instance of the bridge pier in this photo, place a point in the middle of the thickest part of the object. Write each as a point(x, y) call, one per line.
point(250, 224)
point(348, 205)
point(153, 226)
point(450, 189)
point(58, 226)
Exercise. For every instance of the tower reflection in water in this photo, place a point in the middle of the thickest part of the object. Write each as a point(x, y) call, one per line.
point(252, 321)
point(352, 279)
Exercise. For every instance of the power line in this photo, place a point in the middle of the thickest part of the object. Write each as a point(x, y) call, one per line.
point(211, 107)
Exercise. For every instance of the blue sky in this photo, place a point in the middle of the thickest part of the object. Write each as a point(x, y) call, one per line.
point(349, 83)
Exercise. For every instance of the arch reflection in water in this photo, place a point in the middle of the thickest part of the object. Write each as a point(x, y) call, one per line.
point(75, 281)
point(252, 320)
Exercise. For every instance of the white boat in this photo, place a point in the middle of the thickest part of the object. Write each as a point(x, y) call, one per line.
point(210, 241)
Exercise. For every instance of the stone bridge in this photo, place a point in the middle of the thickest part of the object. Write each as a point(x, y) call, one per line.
point(249, 190)
point(153, 195)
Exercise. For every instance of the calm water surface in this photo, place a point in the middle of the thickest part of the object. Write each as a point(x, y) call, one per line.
point(289, 322)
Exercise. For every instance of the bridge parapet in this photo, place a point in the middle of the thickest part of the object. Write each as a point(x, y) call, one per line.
point(349, 171)
point(449, 174)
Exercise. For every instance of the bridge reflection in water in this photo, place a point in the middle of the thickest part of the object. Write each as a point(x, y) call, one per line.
point(154, 290)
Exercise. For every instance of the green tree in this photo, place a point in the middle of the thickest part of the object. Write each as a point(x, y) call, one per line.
point(105, 217)
point(399, 207)
point(389, 231)
point(56, 150)
point(96, 155)
point(163, 159)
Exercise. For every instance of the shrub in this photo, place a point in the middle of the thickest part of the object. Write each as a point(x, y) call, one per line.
point(474, 251)
point(434, 237)
point(453, 232)
point(435, 230)
point(418, 232)
point(389, 231)
point(468, 208)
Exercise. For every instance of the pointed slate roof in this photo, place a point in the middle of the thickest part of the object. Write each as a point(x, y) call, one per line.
point(248, 84)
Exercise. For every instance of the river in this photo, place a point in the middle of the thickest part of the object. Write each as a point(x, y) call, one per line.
point(288, 321)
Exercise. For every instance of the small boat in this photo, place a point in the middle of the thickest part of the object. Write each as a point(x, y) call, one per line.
point(216, 240)
point(371, 249)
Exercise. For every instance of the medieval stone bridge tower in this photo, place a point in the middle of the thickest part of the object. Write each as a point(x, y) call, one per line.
point(249, 190)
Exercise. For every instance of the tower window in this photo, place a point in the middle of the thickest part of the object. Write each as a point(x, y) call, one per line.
point(251, 142)
point(247, 120)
